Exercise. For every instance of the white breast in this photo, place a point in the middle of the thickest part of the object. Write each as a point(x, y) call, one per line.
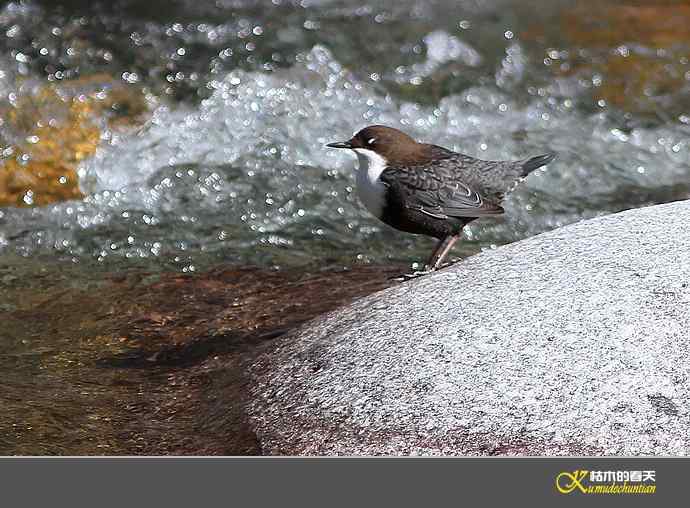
point(370, 189)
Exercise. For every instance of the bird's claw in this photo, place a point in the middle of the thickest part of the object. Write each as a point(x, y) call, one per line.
point(409, 276)
point(420, 273)
point(449, 263)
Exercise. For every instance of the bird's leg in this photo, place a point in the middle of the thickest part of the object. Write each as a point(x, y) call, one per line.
point(440, 252)
point(436, 260)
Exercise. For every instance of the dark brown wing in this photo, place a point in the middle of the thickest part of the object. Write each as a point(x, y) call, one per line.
point(435, 189)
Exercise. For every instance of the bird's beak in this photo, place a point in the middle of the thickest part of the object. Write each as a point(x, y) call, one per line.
point(340, 144)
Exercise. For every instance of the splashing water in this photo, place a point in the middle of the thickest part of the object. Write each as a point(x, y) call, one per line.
point(243, 175)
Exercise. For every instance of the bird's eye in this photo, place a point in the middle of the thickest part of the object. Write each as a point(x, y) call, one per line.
point(371, 141)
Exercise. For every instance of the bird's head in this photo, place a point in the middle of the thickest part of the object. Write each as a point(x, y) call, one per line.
point(387, 142)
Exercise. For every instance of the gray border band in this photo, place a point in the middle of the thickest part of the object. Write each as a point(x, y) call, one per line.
point(195, 482)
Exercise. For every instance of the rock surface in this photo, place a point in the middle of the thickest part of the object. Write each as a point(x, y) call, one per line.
point(571, 342)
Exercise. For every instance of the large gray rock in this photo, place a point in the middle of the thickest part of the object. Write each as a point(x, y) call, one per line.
point(575, 341)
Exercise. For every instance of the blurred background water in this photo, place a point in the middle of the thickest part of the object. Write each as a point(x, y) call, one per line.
point(184, 133)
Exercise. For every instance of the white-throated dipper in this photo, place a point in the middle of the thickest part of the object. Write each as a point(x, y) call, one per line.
point(427, 189)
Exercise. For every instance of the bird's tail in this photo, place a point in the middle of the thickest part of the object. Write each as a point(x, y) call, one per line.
point(536, 162)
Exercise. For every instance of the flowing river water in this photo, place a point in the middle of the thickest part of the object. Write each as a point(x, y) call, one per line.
point(146, 142)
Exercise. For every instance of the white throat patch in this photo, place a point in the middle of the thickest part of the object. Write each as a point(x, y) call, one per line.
point(371, 190)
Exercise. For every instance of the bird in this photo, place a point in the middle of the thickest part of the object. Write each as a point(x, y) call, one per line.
point(427, 189)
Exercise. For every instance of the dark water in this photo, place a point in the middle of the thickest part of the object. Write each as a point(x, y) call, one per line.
point(227, 164)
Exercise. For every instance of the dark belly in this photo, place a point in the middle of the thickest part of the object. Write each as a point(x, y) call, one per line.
point(418, 223)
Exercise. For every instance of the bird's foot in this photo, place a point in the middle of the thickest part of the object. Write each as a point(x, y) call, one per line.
point(420, 273)
point(409, 276)
point(449, 263)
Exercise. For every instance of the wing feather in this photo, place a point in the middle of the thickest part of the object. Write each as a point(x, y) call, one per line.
point(435, 190)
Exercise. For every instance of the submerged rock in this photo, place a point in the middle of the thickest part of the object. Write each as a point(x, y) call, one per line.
point(638, 77)
point(126, 362)
point(50, 129)
point(571, 342)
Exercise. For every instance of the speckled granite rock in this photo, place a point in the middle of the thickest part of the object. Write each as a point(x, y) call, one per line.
point(571, 342)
